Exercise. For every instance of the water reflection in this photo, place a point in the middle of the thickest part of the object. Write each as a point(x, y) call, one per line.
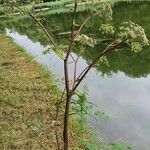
point(127, 100)
point(133, 65)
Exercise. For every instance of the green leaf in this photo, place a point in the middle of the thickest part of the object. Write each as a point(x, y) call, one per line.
point(119, 146)
point(71, 62)
point(47, 51)
point(88, 145)
point(59, 50)
point(102, 115)
point(91, 146)
point(59, 53)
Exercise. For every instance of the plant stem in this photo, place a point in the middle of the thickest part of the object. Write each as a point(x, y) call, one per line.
point(66, 123)
point(68, 93)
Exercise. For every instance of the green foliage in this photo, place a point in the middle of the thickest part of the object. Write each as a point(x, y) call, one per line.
point(88, 145)
point(53, 4)
point(137, 38)
point(81, 107)
point(104, 60)
point(2, 12)
point(102, 115)
point(84, 108)
point(47, 51)
point(59, 50)
point(119, 146)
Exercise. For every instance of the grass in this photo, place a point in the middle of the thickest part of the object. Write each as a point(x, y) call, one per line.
point(50, 5)
point(27, 96)
point(55, 7)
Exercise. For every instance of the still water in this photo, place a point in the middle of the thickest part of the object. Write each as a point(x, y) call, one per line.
point(122, 91)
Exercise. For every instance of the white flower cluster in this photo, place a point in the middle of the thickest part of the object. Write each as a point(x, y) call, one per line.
point(86, 40)
point(107, 29)
point(136, 47)
point(136, 35)
point(104, 10)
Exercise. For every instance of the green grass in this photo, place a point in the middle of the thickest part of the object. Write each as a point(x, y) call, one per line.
point(55, 7)
point(51, 5)
point(27, 96)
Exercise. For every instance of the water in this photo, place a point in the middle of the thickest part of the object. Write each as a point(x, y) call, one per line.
point(122, 90)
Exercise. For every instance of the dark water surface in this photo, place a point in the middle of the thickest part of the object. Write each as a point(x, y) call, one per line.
point(121, 89)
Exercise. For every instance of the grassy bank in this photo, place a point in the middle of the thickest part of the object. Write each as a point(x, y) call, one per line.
point(62, 6)
point(27, 97)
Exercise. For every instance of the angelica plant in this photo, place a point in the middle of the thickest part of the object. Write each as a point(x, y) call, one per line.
point(128, 33)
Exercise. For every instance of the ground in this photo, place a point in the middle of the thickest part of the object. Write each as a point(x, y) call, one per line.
point(27, 97)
